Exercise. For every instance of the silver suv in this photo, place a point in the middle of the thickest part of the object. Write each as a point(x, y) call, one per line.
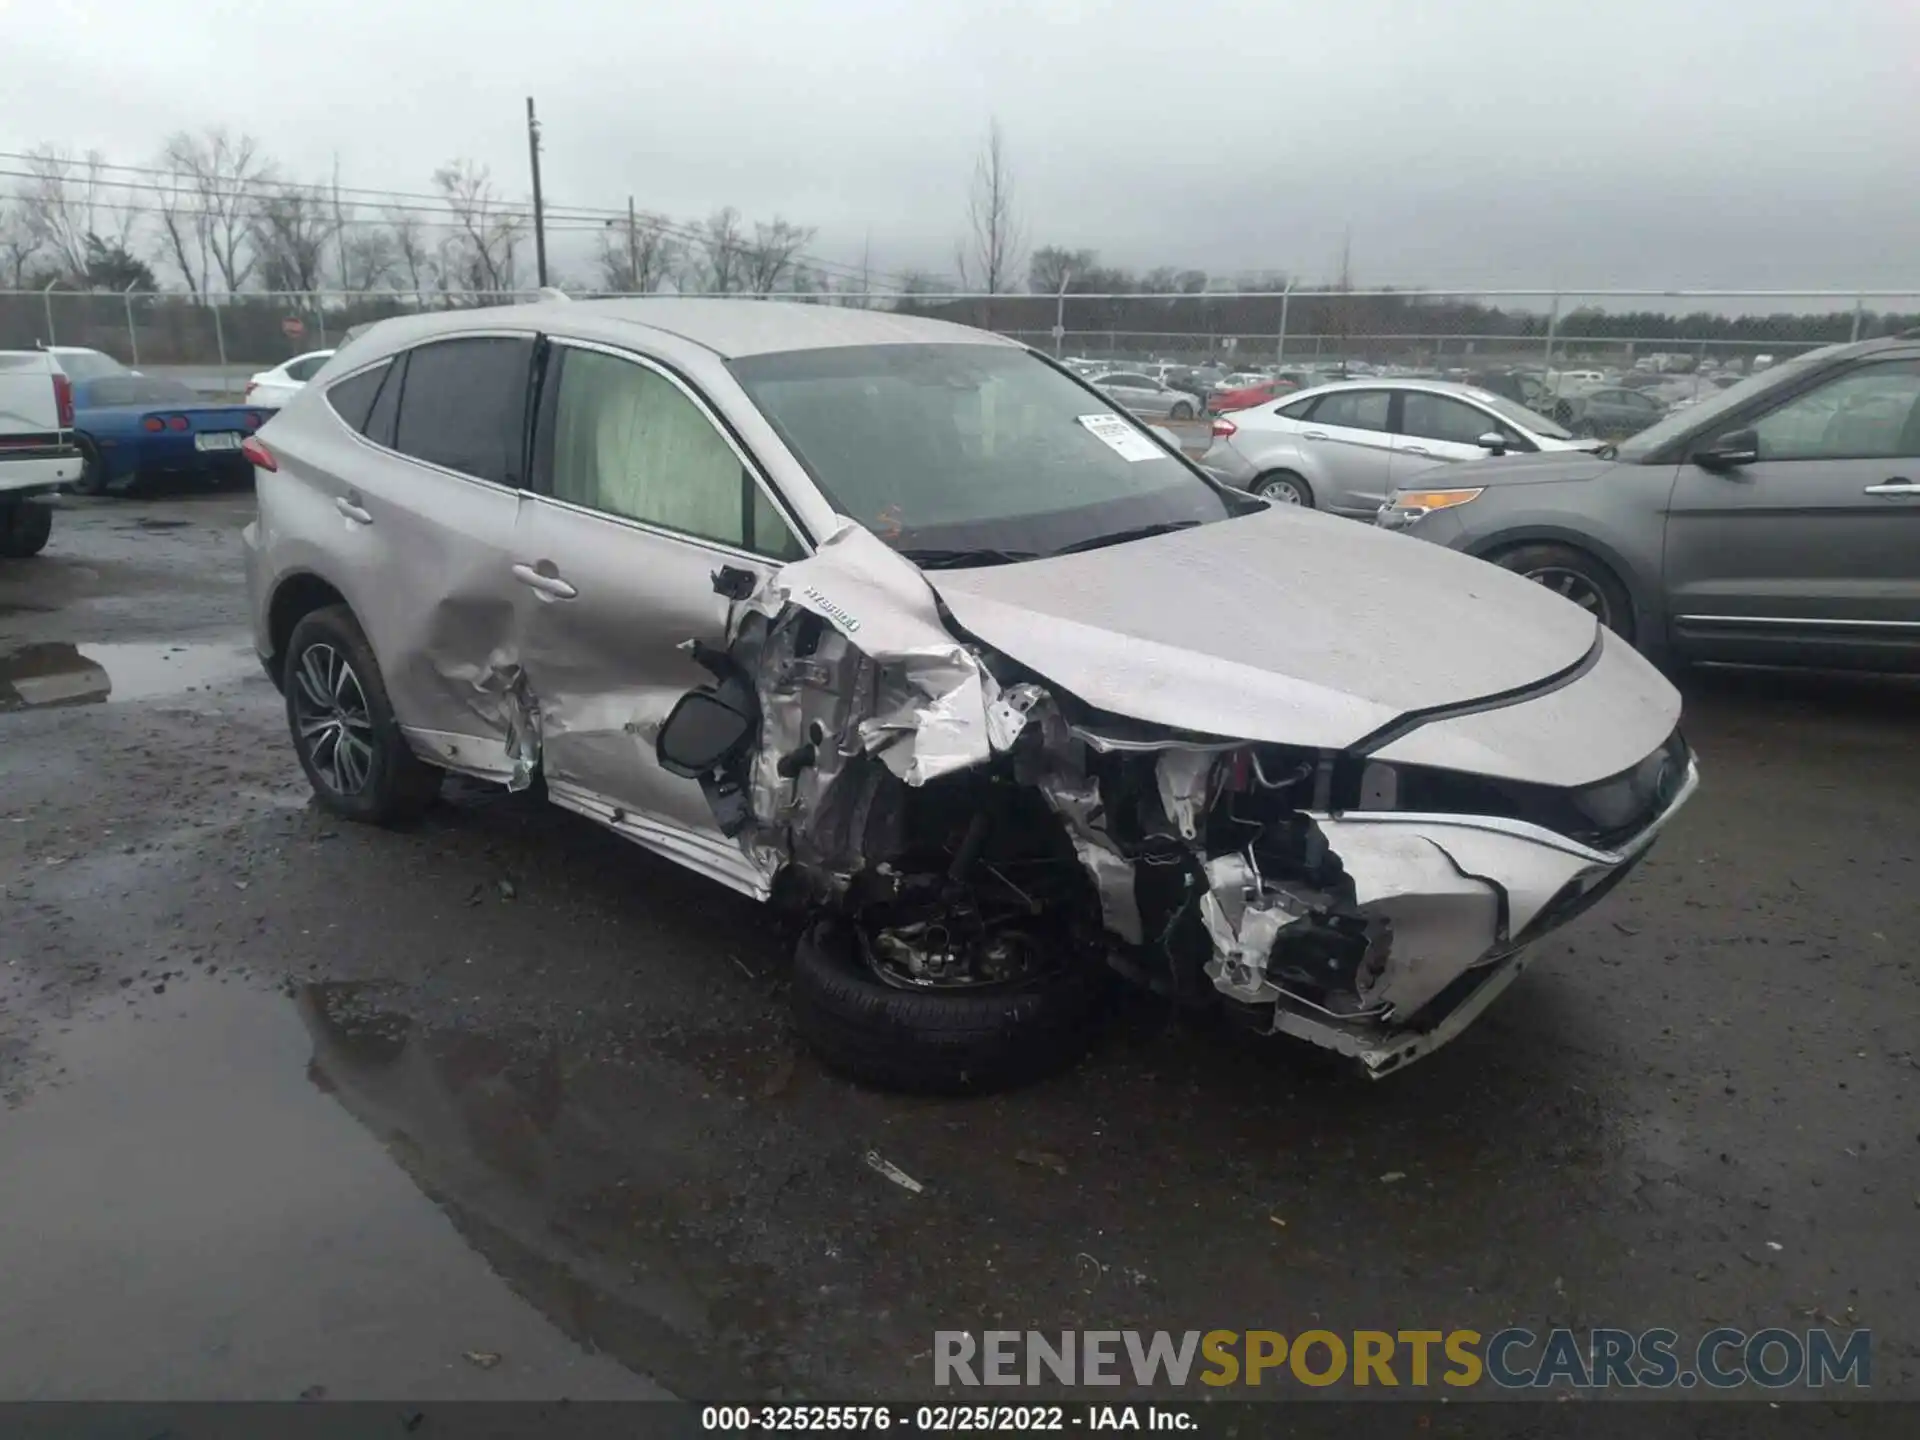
point(903, 625)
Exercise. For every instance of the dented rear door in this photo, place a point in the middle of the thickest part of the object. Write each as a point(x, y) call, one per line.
point(426, 504)
point(644, 511)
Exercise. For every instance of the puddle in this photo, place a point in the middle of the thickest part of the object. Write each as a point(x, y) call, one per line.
point(54, 674)
point(192, 1210)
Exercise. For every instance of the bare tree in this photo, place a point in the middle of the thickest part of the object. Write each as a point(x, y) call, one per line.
point(769, 256)
point(224, 175)
point(412, 257)
point(18, 243)
point(723, 249)
point(990, 257)
point(182, 241)
point(636, 256)
point(67, 201)
point(484, 251)
point(291, 230)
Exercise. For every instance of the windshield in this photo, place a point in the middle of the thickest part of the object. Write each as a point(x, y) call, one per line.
point(1523, 417)
point(137, 390)
point(1678, 422)
point(86, 365)
point(961, 447)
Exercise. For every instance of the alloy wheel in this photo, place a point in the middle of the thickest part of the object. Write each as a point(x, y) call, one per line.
point(1281, 492)
point(1574, 586)
point(331, 719)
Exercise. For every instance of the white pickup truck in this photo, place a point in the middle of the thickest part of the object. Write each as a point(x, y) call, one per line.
point(37, 453)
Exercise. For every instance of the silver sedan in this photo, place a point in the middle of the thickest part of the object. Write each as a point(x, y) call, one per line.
point(1346, 447)
point(1145, 396)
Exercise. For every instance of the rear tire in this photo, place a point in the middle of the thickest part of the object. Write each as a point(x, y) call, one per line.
point(24, 528)
point(1284, 487)
point(343, 726)
point(944, 1042)
point(1576, 576)
point(1180, 411)
point(93, 470)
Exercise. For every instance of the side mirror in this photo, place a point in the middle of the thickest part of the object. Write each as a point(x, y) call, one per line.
point(1735, 448)
point(701, 734)
point(1493, 442)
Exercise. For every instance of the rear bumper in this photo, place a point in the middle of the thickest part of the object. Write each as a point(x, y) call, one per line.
point(37, 469)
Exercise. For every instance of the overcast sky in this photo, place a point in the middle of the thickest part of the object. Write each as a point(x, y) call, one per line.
point(1745, 143)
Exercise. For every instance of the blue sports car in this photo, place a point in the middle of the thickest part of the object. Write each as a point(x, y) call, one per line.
point(131, 428)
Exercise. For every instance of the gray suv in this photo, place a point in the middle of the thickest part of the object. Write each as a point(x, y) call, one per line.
point(1776, 523)
point(902, 626)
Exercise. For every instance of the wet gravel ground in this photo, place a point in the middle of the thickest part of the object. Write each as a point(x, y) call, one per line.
point(502, 1106)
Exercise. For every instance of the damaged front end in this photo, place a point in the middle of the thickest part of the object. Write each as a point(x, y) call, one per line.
point(979, 827)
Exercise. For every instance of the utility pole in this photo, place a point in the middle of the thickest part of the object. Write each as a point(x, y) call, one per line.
point(633, 248)
point(539, 210)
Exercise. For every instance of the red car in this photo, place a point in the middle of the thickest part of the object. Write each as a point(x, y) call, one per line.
point(1247, 396)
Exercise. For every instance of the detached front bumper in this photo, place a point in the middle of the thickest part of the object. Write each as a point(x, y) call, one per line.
point(1465, 896)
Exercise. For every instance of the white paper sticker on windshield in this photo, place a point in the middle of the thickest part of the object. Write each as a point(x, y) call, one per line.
point(1125, 441)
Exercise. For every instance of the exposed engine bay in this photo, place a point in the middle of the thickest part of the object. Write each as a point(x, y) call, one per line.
point(979, 824)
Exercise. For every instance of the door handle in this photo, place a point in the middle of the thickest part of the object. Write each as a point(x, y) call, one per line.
point(1898, 485)
point(1416, 450)
point(551, 586)
point(349, 506)
point(1315, 435)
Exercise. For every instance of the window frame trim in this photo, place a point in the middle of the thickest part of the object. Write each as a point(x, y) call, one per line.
point(540, 469)
point(403, 353)
point(326, 393)
point(1835, 377)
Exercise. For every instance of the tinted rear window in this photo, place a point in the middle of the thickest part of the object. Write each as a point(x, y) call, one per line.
point(135, 390)
point(464, 405)
point(352, 398)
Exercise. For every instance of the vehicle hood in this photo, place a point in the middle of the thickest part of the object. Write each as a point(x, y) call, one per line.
point(1285, 626)
point(1539, 469)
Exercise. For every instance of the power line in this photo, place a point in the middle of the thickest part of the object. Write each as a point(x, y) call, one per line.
point(588, 218)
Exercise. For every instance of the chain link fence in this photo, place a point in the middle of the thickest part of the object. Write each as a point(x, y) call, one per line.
point(215, 341)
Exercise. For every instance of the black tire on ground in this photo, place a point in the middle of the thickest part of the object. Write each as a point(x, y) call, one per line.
point(93, 473)
point(1280, 480)
point(24, 528)
point(1181, 411)
point(946, 1042)
point(398, 784)
point(1554, 565)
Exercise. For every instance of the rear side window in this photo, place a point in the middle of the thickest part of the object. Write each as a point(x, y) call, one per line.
point(352, 398)
point(1353, 409)
point(306, 367)
point(464, 405)
point(1297, 410)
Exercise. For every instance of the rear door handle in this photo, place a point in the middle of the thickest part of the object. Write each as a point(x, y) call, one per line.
point(1316, 434)
point(551, 586)
point(1898, 485)
point(349, 506)
point(1415, 450)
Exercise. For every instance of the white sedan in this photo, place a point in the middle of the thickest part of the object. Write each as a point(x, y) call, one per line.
point(271, 389)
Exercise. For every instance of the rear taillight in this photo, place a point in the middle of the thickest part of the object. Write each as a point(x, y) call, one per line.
point(252, 385)
point(256, 451)
point(177, 422)
point(63, 400)
point(153, 423)
point(1224, 429)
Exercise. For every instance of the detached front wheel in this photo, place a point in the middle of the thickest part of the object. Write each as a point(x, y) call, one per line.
point(941, 1040)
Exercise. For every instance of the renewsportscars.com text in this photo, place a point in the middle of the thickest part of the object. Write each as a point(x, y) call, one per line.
point(1512, 1359)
